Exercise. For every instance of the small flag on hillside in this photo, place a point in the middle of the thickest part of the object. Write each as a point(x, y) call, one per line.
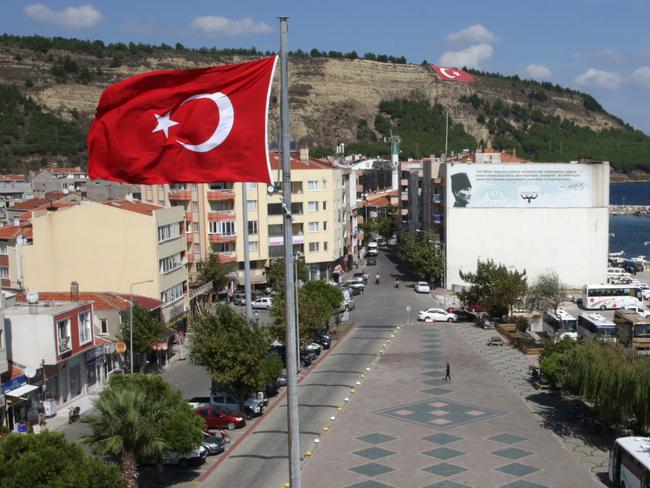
point(199, 126)
point(453, 74)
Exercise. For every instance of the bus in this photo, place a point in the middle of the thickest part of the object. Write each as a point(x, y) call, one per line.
point(560, 324)
point(629, 462)
point(633, 330)
point(603, 297)
point(595, 326)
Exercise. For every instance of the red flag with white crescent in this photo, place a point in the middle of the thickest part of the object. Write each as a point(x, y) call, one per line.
point(453, 74)
point(185, 126)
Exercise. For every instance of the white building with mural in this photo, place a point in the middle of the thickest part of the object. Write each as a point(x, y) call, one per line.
point(532, 216)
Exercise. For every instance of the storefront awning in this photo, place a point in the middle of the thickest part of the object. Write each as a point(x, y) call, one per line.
point(21, 390)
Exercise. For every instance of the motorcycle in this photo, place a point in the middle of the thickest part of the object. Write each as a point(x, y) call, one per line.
point(73, 414)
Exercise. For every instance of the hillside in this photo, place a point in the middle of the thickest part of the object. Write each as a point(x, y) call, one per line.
point(334, 98)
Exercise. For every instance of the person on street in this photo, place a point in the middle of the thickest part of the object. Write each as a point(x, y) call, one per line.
point(377, 279)
point(396, 282)
point(224, 436)
point(40, 409)
point(448, 373)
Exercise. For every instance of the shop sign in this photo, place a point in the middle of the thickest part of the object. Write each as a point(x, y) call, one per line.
point(14, 383)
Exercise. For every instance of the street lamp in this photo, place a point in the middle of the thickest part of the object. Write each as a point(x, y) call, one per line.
point(296, 258)
point(131, 318)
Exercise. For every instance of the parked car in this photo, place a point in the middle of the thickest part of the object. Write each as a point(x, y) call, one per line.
point(263, 303)
point(221, 417)
point(462, 314)
point(252, 405)
point(282, 380)
point(355, 286)
point(422, 287)
point(371, 260)
point(213, 444)
point(239, 299)
point(323, 338)
point(495, 341)
point(436, 315)
point(307, 357)
point(194, 457)
point(314, 347)
point(363, 277)
point(271, 389)
point(484, 321)
point(642, 311)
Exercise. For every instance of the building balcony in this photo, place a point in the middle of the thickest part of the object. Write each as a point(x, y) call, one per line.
point(190, 237)
point(180, 195)
point(218, 239)
point(188, 216)
point(220, 195)
point(405, 211)
point(404, 197)
point(437, 219)
point(404, 182)
point(279, 240)
point(221, 215)
point(227, 256)
point(190, 257)
point(437, 198)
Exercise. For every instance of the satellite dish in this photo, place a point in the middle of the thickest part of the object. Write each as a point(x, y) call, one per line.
point(32, 297)
point(30, 372)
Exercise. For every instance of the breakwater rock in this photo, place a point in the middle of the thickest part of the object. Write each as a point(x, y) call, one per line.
point(629, 209)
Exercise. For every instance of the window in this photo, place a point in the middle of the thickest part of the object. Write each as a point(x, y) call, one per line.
point(251, 186)
point(170, 263)
point(312, 206)
point(312, 185)
point(161, 203)
point(4, 272)
point(222, 228)
point(3, 248)
point(169, 231)
point(195, 206)
point(251, 205)
point(324, 205)
point(195, 186)
point(63, 335)
point(324, 245)
point(324, 224)
point(313, 226)
point(324, 184)
point(172, 294)
point(197, 248)
point(85, 331)
point(161, 187)
point(103, 326)
point(2, 341)
point(252, 227)
point(313, 247)
point(274, 209)
point(296, 208)
point(296, 187)
point(276, 252)
point(196, 227)
point(220, 186)
point(275, 230)
point(252, 246)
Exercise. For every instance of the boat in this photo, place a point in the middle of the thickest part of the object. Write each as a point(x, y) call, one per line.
point(619, 254)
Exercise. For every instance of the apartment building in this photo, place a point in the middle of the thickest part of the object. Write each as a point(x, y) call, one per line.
point(213, 212)
point(117, 246)
point(59, 179)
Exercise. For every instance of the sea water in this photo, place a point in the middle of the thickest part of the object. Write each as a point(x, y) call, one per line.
point(630, 233)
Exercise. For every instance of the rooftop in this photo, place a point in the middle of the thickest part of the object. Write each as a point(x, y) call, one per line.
point(44, 308)
point(101, 300)
point(296, 163)
point(35, 203)
point(137, 207)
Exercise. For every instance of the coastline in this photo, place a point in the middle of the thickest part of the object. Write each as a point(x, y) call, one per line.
point(638, 210)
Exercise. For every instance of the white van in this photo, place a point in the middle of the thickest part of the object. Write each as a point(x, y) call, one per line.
point(372, 248)
point(615, 274)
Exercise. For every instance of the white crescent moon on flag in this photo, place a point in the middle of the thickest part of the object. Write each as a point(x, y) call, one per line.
point(226, 119)
point(444, 72)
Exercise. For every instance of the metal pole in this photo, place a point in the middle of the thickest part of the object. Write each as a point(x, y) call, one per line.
point(295, 275)
point(247, 259)
point(289, 282)
point(446, 131)
point(131, 328)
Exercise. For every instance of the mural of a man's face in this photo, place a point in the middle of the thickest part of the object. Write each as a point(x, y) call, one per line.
point(461, 188)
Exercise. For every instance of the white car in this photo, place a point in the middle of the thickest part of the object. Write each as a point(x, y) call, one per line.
point(642, 311)
point(184, 459)
point(263, 303)
point(315, 348)
point(422, 287)
point(436, 315)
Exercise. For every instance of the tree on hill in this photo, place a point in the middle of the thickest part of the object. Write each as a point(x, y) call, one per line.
point(233, 350)
point(49, 460)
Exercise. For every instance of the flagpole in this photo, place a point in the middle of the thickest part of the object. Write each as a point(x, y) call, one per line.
point(289, 280)
point(247, 259)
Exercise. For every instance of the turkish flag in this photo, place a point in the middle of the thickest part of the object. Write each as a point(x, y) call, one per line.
point(185, 126)
point(453, 74)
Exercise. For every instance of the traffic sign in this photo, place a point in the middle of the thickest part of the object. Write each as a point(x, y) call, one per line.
point(120, 347)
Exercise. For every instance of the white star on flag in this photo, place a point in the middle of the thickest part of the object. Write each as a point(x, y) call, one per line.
point(164, 123)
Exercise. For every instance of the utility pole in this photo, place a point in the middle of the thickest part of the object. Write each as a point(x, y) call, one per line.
point(289, 281)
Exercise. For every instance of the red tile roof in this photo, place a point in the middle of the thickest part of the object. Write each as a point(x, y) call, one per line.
point(296, 163)
point(57, 205)
point(65, 170)
point(13, 231)
point(13, 178)
point(102, 300)
point(38, 202)
point(138, 207)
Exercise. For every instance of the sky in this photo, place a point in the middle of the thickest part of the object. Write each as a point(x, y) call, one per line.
point(601, 47)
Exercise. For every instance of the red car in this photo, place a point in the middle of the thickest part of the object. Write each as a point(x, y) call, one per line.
point(221, 417)
point(462, 314)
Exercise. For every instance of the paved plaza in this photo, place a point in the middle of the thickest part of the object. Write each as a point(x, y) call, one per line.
point(405, 426)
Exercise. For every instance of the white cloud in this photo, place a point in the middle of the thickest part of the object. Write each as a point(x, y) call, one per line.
point(471, 57)
point(82, 17)
point(475, 34)
point(599, 79)
point(538, 72)
point(608, 55)
point(641, 76)
point(217, 25)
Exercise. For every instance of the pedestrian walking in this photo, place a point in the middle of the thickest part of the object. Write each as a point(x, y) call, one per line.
point(448, 373)
point(40, 408)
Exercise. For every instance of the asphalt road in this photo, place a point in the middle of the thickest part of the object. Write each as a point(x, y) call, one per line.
point(261, 458)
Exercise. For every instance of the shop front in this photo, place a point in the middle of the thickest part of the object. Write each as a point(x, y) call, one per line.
point(21, 400)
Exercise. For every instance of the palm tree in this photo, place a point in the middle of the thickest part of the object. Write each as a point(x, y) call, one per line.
point(125, 427)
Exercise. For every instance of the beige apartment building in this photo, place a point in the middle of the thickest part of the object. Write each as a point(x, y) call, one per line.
point(103, 247)
point(320, 210)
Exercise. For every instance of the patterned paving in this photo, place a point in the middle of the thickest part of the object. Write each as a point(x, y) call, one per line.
point(443, 453)
point(376, 438)
point(446, 484)
point(518, 469)
point(507, 438)
point(439, 413)
point(376, 453)
point(372, 469)
point(369, 484)
point(442, 439)
point(512, 453)
point(444, 469)
point(523, 484)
